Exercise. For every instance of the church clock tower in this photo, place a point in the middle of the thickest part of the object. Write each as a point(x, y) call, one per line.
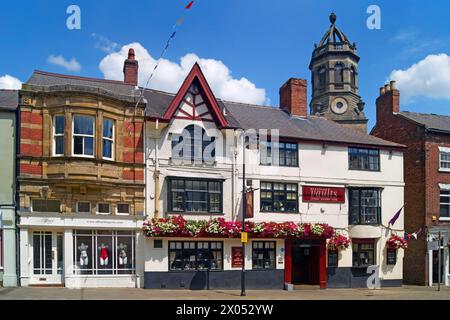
point(334, 71)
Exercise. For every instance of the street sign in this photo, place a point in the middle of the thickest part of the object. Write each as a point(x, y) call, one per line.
point(244, 237)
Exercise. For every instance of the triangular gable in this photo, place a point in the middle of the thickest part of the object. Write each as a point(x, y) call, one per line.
point(203, 108)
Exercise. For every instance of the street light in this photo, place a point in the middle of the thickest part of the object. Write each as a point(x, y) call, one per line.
point(244, 191)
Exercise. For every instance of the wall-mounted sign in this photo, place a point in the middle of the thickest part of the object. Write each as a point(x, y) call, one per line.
point(237, 257)
point(244, 237)
point(249, 197)
point(323, 194)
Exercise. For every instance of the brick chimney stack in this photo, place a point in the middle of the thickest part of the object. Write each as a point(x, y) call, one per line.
point(293, 97)
point(130, 69)
point(388, 102)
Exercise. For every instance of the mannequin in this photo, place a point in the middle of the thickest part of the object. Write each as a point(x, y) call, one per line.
point(122, 254)
point(84, 258)
point(104, 254)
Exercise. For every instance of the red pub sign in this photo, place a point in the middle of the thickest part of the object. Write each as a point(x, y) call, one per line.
point(323, 194)
point(237, 257)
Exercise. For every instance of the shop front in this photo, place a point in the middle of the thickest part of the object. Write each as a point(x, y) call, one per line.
point(78, 252)
point(439, 255)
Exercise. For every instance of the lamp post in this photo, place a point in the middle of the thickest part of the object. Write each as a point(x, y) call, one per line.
point(244, 143)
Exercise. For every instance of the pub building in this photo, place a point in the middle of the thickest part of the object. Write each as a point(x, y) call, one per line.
point(316, 173)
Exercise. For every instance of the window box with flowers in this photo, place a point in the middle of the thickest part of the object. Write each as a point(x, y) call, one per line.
point(396, 242)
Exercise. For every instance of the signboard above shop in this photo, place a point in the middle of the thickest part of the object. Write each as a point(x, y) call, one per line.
point(323, 194)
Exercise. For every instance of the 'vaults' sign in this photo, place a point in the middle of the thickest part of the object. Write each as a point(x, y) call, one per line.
point(323, 194)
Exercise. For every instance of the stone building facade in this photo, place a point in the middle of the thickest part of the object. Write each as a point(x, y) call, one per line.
point(81, 181)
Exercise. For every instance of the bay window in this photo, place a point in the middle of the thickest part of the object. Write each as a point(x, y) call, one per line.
point(103, 252)
point(279, 197)
point(192, 255)
point(83, 136)
point(108, 139)
point(192, 195)
point(365, 206)
point(263, 255)
point(364, 159)
point(58, 135)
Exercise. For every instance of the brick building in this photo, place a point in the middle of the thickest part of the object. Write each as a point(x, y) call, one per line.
point(427, 178)
point(81, 180)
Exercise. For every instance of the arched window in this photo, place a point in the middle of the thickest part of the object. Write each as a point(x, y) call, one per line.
point(353, 76)
point(194, 144)
point(339, 73)
point(322, 77)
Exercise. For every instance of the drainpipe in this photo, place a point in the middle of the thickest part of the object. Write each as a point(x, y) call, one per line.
point(156, 215)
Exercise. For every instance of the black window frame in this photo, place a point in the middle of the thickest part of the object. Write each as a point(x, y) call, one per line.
point(334, 253)
point(365, 154)
point(196, 253)
point(170, 191)
point(391, 257)
point(356, 254)
point(273, 191)
point(351, 220)
point(266, 254)
point(444, 205)
point(282, 150)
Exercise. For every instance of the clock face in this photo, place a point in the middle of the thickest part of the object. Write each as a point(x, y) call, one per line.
point(339, 106)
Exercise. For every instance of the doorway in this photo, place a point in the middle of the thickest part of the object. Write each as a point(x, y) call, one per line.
point(48, 258)
point(305, 264)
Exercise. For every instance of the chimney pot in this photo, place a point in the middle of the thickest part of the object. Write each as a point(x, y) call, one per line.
point(393, 85)
point(387, 88)
point(382, 91)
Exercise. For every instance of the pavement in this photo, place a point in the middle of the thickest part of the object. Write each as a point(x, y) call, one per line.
point(401, 293)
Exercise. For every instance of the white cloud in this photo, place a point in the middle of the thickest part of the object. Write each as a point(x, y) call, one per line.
point(10, 83)
point(104, 44)
point(70, 65)
point(170, 75)
point(429, 78)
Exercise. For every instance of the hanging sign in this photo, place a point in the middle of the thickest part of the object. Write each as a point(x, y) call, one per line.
point(237, 257)
point(323, 194)
point(249, 207)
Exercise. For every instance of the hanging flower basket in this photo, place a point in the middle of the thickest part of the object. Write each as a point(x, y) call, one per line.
point(397, 242)
point(338, 242)
point(219, 228)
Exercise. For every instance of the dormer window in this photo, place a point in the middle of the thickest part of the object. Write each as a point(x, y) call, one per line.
point(193, 144)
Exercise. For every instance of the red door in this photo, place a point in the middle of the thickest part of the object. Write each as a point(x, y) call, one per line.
point(305, 265)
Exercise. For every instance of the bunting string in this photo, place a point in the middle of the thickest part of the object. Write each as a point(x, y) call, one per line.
point(176, 26)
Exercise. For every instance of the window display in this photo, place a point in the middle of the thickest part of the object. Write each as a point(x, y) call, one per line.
point(189, 255)
point(363, 253)
point(103, 252)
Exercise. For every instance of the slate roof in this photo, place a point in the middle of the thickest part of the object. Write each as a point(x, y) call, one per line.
point(238, 115)
point(432, 122)
point(9, 100)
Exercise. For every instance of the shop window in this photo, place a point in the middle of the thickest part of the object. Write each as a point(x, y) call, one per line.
point(333, 258)
point(365, 206)
point(104, 252)
point(391, 257)
point(83, 136)
point(287, 154)
point(108, 139)
point(52, 206)
point(58, 135)
point(189, 195)
point(279, 197)
point(190, 255)
point(193, 144)
point(83, 207)
point(103, 208)
point(263, 255)
point(363, 253)
point(364, 159)
point(445, 204)
point(123, 209)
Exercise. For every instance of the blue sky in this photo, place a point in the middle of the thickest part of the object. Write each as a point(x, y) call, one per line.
point(264, 41)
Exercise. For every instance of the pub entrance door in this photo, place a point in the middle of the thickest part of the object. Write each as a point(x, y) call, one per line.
point(305, 262)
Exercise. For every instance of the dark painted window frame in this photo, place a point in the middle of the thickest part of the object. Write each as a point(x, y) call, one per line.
point(359, 154)
point(264, 250)
point(272, 190)
point(196, 255)
point(350, 200)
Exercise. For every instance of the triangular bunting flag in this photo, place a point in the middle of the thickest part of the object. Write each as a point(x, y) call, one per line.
point(189, 5)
